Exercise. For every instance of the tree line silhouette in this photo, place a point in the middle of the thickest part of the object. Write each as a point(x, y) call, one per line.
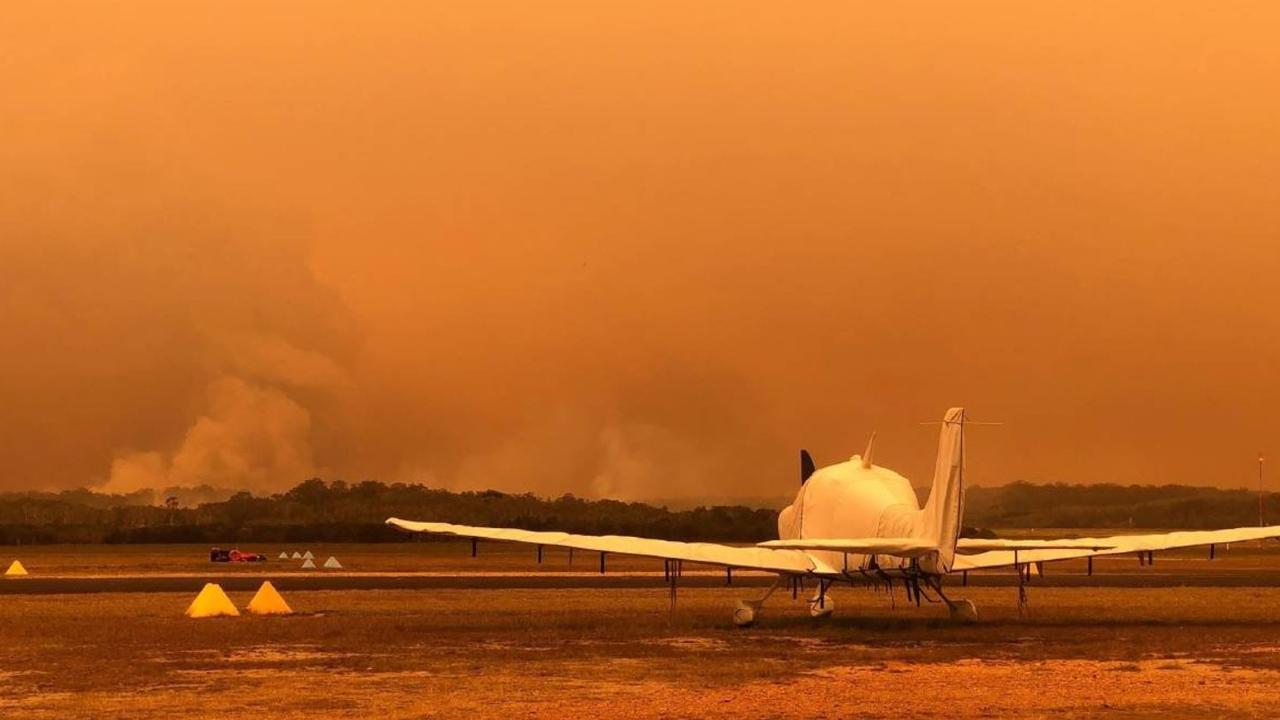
point(319, 511)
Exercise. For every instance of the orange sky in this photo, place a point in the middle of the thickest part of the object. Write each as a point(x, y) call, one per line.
point(635, 250)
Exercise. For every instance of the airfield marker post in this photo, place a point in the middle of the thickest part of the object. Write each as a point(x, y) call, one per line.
point(1260, 523)
point(539, 554)
point(671, 583)
point(474, 547)
point(602, 563)
point(1022, 584)
point(1090, 565)
point(728, 576)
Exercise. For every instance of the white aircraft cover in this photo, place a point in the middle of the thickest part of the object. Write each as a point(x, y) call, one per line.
point(756, 558)
point(1115, 545)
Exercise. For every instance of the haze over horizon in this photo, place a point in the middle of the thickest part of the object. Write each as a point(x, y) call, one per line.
point(248, 243)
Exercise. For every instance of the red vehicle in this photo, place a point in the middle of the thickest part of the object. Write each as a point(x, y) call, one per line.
point(234, 555)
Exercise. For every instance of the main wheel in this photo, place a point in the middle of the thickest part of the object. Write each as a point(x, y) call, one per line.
point(744, 615)
point(963, 611)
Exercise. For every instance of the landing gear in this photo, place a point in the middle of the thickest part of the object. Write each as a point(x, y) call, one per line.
point(962, 611)
point(745, 614)
point(959, 610)
point(821, 605)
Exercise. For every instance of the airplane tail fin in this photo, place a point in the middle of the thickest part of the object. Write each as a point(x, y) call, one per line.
point(942, 513)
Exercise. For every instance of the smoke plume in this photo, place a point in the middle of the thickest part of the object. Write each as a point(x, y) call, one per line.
point(634, 251)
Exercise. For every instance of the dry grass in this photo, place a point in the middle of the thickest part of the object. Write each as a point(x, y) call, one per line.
point(454, 556)
point(618, 654)
point(602, 653)
point(416, 557)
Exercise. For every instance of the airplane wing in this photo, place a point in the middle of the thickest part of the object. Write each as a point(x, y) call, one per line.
point(973, 545)
point(755, 558)
point(1025, 551)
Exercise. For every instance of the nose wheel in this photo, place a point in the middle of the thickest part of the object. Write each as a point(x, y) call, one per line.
point(821, 605)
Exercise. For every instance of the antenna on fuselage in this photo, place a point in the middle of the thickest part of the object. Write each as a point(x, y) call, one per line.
point(866, 454)
point(806, 465)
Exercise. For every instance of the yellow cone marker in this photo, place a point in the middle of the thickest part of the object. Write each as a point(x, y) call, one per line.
point(211, 602)
point(268, 602)
point(16, 570)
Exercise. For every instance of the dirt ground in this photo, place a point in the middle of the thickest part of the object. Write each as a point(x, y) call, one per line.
point(562, 650)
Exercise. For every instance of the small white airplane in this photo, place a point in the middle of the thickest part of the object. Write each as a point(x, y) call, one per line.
point(860, 523)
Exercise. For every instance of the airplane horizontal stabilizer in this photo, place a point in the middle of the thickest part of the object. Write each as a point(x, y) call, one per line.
point(901, 547)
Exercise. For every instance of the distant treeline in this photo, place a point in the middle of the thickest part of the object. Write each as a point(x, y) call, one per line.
point(1174, 507)
point(319, 511)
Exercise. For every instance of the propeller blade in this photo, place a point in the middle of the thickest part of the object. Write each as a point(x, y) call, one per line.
point(806, 466)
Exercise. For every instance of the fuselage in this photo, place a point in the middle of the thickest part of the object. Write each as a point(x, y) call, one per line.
point(850, 500)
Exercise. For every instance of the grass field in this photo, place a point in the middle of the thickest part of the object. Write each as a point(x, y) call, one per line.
point(562, 650)
point(451, 556)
